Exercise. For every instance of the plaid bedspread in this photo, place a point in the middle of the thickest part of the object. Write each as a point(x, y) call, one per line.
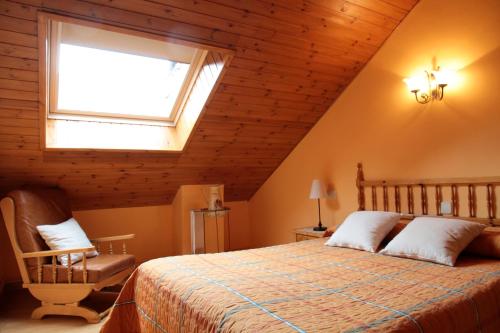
point(308, 287)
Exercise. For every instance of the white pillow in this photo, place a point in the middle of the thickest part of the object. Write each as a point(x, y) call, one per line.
point(364, 230)
point(66, 235)
point(439, 240)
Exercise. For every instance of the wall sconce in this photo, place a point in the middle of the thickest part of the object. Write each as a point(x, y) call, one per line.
point(428, 86)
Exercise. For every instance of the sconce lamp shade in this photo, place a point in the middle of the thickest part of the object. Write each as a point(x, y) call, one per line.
point(318, 190)
point(417, 83)
point(429, 85)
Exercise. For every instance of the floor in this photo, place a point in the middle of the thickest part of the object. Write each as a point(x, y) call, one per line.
point(16, 307)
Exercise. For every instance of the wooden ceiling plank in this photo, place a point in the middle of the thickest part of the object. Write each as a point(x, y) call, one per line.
point(268, 93)
point(245, 100)
point(252, 120)
point(165, 11)
point(381, 6)
point(18, 25)
point(335, 17)
point(180, 15)
point(19, 122)
point(18, 63)
point(17, 104)
point(325, 45)
point(251, 68)
point(18, 85)
point(19, 39)
point(18, 51)
point(237, 104)
point(21, 114)
point(265, 57)
point(17, 10)
point(309, 27)
point(113, 15)
point(332, 57)
point(406, 5)
point(319, 7)
point(18, 74)
point(306, 73)
point(314, 62)
point(282, 86)
point(359, 28)
point(18, 130)
point(263, 116)
point(18, 94)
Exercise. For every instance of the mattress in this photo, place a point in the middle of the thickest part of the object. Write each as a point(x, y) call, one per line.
point(308, 287)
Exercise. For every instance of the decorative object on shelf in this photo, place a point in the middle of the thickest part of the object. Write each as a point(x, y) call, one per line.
point(214, 196)
point(200, 219)
point(429, 85)
point(318, 191)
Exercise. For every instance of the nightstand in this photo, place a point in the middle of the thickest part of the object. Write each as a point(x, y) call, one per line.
point(308, 233)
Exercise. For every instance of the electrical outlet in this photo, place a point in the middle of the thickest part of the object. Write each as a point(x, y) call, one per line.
point(446, 207)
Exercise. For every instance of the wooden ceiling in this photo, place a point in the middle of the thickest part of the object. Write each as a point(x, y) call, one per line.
point(293, 59)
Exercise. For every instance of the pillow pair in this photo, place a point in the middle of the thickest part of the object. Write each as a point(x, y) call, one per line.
point(438, 240)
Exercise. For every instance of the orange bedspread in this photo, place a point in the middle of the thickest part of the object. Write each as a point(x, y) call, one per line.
point(308, 287)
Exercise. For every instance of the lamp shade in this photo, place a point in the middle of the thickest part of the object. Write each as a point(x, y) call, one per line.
point(318, 190)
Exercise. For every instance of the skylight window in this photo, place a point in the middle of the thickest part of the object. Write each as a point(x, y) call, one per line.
point(112, 76)
point(109, 88)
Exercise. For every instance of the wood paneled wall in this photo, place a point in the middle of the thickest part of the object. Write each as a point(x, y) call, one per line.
point(293, 59)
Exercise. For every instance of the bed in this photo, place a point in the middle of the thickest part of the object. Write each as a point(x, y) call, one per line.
point(309, 287)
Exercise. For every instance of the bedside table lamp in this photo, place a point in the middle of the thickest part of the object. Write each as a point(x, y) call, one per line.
point(318, 191)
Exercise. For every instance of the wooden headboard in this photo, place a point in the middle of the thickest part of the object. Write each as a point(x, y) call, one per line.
point(411, 198)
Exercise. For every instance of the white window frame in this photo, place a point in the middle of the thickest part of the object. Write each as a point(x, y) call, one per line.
point(54, 41)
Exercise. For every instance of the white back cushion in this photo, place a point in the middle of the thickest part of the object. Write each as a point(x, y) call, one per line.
point(439, 240)
point(364, 230)
point(66, 235)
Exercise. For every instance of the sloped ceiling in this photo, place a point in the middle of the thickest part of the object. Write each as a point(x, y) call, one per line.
point(293, 59)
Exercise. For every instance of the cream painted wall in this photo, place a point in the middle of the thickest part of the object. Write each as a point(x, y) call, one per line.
point(151, 225)
point(377, 121)
point(239, 219)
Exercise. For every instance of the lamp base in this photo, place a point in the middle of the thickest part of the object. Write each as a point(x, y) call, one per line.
point(317, 228)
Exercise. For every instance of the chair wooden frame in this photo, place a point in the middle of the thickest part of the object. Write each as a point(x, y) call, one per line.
point(423, 186)
point(61, 298)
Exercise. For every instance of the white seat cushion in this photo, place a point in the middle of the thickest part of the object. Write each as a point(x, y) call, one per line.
point(66, 235)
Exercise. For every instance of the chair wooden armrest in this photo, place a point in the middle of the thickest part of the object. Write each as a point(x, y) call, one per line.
point(54, 253)
point(112, 238)
point(51, 253)
point(110, 241)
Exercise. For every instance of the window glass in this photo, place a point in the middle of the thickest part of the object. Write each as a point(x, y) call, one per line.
point(107, 82)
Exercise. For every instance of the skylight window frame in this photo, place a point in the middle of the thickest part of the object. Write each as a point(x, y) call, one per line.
point(79, 134)
point(53, 45)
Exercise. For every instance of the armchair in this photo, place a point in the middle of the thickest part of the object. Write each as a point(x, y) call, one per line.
point(59, 288)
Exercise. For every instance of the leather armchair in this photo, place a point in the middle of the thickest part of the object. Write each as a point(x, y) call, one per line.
point(59, 288)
